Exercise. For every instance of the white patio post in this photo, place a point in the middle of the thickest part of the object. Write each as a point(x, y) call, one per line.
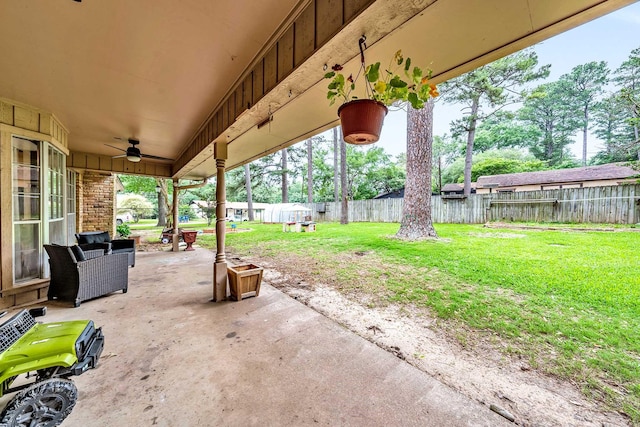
point(220, 266)
point(175, 237)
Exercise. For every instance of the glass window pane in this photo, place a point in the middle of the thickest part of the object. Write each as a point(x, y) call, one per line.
point(26, 207)
point(56, 181)
point(26, 260)
point(26, 179)
point(71, 192)
point(71, 206)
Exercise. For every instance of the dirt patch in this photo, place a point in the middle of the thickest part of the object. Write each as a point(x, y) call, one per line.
point(499, 235)
point(467, 361)
point(150, 239)
point(513, 226)
point(150, 242)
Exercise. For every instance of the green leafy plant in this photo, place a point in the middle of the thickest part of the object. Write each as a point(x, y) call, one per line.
point(396, 83)
point(123, 230)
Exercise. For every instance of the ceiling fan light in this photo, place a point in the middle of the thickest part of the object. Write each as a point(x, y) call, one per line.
point(133, 154)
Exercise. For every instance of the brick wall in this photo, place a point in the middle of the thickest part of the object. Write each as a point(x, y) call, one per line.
point(79, 201)
point(96, 204)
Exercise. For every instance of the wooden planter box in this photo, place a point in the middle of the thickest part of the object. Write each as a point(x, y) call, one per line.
point(244, 280)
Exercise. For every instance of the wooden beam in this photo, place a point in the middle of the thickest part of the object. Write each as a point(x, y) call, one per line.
point(306, 31)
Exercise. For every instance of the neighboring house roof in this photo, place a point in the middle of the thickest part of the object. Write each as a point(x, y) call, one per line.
point(448, 188)
point(245, 205)
point(396, 194)
point(588, 173)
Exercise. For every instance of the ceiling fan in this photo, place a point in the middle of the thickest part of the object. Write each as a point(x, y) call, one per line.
point(133, 153)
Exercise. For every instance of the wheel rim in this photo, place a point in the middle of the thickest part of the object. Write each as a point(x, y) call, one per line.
point(43, 411)
point(45, 404)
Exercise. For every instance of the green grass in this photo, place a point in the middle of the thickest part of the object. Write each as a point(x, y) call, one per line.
point(567, 302)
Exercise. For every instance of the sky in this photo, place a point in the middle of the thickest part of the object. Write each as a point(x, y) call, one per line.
point(610, 38)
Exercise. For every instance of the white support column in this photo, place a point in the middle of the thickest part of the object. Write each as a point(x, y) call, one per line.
point(175, 238)
point(220, 266)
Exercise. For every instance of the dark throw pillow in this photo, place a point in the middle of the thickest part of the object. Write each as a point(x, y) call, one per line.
point(78, 253)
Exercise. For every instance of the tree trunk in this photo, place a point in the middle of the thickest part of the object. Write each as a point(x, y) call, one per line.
point(468, 159)
point(550, 142)
point(247, 185)
point(309, 171)
point(584, 137)
point(162, 211)
point(285, 177)
point(635, 131)
point(163, 206)
point(336, 174)
point(439, 174)
point(416, 210)
point(344, 213)
point(636, 116)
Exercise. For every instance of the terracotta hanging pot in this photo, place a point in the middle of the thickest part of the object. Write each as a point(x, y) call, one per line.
point(362, 120)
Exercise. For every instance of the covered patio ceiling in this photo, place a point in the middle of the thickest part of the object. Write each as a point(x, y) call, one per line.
point(180, 76)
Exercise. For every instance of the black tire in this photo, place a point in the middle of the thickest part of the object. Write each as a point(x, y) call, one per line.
point(118, 221)
point(165, 240)
point(44, 404)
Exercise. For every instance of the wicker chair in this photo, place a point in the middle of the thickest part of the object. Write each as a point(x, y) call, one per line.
point(76, 277)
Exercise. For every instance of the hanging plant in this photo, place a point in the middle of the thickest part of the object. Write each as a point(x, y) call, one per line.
point(362, 118)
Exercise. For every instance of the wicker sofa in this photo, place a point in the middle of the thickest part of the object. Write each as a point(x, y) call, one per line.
point(78, 275)
point(91, 240)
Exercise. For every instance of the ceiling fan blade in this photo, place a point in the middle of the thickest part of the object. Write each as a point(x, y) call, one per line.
point(135, 151)
point(149, 156)
point(119, 138)
point(117, 148)
point(119, 156)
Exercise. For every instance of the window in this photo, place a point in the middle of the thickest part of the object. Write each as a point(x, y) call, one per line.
point(71, 206)
point(55, 178)
point(26, 180)
point(39, 209)
point(26, 208)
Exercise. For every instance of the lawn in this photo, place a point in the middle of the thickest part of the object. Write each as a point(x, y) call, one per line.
point(567, 302)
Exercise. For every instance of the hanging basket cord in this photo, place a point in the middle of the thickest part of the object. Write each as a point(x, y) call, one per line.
point(363, 68)
point(362, 42)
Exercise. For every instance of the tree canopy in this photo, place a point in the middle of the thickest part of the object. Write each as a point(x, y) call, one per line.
point(488, 89)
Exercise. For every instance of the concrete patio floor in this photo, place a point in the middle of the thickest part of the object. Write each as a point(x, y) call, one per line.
point(174, 358)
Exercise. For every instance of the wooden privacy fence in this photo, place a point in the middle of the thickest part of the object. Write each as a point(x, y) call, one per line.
point(612, 204)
